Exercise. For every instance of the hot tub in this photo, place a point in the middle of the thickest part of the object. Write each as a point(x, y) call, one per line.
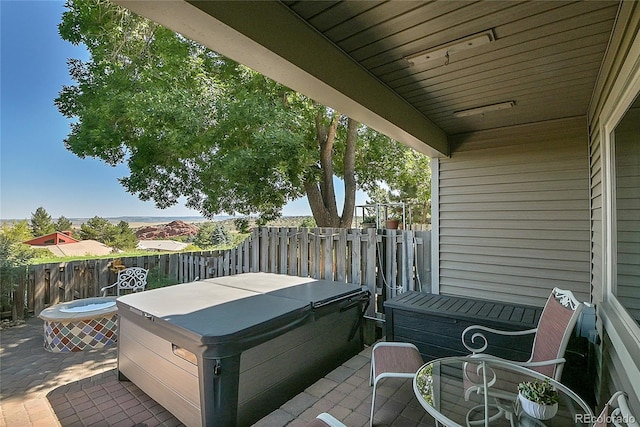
point(80, 325)
point(228, 351)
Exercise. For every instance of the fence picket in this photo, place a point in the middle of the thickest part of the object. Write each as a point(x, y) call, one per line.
point(341, 255)
point(39, 288)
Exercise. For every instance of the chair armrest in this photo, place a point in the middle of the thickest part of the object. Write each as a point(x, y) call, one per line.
point(559, 361)
point(484, 342)
point(103, 291)
point(625, 411)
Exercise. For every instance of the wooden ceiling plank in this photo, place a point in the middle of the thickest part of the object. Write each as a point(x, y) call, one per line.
point(384, 11)
point(513, 91)
point(562, 90)
point(392, 29)
point(532, 45)
point(309, 9)
point(520, 75)
point(340, 14)
point(436, 30)
point(519, 31)
point(520, 60)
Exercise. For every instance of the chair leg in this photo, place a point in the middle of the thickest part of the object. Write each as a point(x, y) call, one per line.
point(373, 403)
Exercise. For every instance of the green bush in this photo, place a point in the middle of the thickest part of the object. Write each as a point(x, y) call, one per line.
point(157, 279)
point(308, 222)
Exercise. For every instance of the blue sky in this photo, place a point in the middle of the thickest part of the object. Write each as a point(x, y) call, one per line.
point(36, 169)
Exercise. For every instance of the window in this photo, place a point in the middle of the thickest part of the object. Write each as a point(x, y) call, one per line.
point(625, 210)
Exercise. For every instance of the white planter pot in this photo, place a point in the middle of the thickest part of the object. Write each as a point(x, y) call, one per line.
point(536, 410)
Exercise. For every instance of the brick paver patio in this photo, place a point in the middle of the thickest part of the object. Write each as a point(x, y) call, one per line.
point(38, 388)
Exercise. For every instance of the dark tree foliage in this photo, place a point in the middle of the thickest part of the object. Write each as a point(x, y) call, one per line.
point(63, 224)
point(212, 234)
point(119, 236)
point(41, 223)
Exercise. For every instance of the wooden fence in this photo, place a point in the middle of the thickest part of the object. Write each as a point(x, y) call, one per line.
point(386, 261)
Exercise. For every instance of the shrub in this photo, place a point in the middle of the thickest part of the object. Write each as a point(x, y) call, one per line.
point(157, 279)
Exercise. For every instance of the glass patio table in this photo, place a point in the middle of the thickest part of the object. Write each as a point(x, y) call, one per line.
point(483, 391)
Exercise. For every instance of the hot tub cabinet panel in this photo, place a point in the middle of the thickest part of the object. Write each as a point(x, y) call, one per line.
point(434, 323)
point(228, 351)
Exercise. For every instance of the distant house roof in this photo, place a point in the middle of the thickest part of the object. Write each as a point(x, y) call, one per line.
point(161, 245)
point(57, 238)
point(84, 247)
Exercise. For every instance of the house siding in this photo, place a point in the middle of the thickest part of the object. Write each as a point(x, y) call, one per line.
point(514, 213)
point(618, 356)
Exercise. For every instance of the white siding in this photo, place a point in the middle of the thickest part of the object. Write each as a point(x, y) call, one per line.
point(619, 355)
point(514, 213)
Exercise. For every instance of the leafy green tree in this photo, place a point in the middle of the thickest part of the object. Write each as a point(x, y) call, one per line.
point(63, 224)
point(242, 224)
point(14, 261)
point(17, 231)
point(41, 223)
point(125, 237)
point(308, 223)
point(189, 122)
point(411, 184)
point(212, 234)
point(119, 236)
point(97, 228)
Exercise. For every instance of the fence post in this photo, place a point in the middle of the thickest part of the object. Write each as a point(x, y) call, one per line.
point(40, 292)
point(69, 282)
point(355, 257)
point(17, 308)
point(314, 259)
point(327, 254)
point(341, 255)
point(370, 262)
point(304, 252)
point(423, 256)
point(293, 238)
point(254, 249)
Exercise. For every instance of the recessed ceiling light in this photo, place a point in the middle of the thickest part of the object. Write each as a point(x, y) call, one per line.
point(483, 109)
point(444, 52)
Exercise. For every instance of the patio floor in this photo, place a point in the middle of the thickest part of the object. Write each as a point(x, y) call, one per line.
point(38, 388)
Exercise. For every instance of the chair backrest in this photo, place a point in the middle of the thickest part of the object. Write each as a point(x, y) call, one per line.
point(557, 320)
point(132, 279)
point(616, 412)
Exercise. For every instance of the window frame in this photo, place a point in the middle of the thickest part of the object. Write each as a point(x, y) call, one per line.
point(617, 107)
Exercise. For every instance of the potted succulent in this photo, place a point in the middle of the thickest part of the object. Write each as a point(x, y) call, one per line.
point(368, 222)
point(538, 399)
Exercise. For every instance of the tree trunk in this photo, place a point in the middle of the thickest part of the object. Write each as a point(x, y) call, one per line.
point(321, 194)
point(349, 175)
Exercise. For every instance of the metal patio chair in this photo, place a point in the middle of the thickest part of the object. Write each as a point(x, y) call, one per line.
point(392, 360)
point(552, 334)
point(616, 413)
point(133, 279)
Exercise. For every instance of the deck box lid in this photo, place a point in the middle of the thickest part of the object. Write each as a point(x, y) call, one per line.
point(472, 309)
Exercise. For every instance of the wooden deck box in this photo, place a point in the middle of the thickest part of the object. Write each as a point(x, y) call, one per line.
point(434, 323)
